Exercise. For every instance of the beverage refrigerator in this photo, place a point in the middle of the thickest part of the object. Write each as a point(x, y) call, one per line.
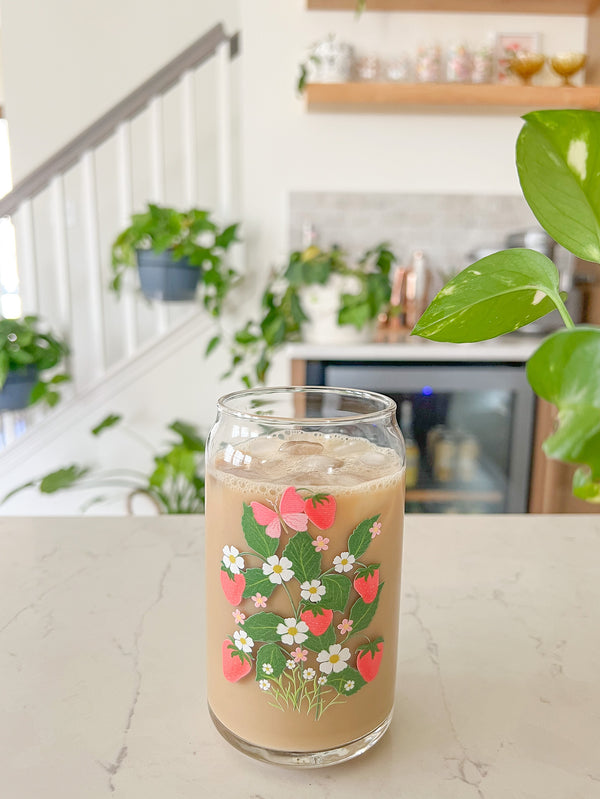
point(468, 429)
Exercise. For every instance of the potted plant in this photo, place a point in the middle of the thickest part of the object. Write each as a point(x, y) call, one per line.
point(558, 153)
point(173, 250)
point(319, 288)
point(174, 484)
point(25, 352)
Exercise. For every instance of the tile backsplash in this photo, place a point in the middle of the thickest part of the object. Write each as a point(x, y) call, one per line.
point(447, 227)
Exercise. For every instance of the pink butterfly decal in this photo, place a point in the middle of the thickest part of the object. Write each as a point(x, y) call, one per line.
point(291, 509)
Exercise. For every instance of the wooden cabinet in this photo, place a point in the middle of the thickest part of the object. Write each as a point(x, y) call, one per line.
point(485, 97)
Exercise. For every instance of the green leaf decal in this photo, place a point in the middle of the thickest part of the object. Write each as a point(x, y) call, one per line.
point(361, 613)
point(558, 160)
point(318, 642)
point(361, 537)
point(255, 535)
point(263, 627)
point(342, 681)
point(271, 657)
point(565, 370)
point(306, 560)
point(257, 582)
point(496, 295)
point(337, 591)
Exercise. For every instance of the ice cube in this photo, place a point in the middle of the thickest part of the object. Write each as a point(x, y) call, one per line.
point(323, 464)
point(374, 458)
point(301, 448)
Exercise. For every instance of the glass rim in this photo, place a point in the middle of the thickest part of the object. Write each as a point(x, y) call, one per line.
point(387, 405)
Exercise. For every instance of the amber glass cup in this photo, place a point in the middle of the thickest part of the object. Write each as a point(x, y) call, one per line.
point(304, 523)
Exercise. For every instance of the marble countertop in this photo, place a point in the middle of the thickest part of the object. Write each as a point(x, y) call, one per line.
point(102, 666)
point(516, 348)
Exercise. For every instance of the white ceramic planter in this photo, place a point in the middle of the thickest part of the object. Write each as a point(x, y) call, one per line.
point(321, 305)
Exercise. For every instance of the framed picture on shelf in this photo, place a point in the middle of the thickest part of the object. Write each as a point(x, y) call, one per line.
point(507, 46)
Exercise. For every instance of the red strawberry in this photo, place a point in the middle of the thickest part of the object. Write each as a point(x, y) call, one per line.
point(317, 619)
point(368, 658)
point(366, 582)
point(320, 509)
point(233, 586)
point(236, 664)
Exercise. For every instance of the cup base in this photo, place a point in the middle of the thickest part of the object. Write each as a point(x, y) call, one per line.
point(327, 757)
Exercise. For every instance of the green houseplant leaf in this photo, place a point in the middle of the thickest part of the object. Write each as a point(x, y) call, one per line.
point(565, 370)
point(496, 295)
point(558, 159)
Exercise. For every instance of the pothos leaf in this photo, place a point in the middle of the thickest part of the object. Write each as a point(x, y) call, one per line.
point(62, 478)
point(558, 160)
point(565, 370)
point(108, 421)
point(496, 295)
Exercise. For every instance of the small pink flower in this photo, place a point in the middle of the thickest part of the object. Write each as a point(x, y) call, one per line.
point(345, 626)
point(259, 600)
point(238, 616)
point(299, 654)
point(320, 543)
point(375, 530)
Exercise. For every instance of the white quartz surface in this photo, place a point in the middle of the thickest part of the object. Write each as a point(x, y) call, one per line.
point(512, 348)
point(102, 666)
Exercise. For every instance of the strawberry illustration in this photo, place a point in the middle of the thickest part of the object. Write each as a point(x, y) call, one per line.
point(236, 664)
point(317, 619)
point(366, 582)
point(368, 658)
point(233, 586)
point(320, 509)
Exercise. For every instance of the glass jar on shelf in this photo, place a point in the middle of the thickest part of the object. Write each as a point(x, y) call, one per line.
point(428, 65)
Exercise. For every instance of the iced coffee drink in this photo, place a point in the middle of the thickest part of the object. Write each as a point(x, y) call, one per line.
point(303, 553)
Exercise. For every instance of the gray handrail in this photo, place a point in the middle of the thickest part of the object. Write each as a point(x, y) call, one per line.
point(94, 135)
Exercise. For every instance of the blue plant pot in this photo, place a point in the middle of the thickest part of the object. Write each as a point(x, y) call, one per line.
point(162, 278)
point(16, 391)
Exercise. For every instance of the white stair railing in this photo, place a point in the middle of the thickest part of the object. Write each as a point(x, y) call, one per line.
point(70, 208)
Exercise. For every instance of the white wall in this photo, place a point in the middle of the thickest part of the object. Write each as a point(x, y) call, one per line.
point(286, 149)
point(67, 62)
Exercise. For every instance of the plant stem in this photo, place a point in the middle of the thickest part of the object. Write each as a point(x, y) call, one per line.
point(565, 315)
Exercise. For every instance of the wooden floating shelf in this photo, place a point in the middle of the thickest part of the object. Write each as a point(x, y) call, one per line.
point(402, 96)
point(571, 7)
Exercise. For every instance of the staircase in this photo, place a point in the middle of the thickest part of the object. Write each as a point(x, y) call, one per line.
point(171, 141)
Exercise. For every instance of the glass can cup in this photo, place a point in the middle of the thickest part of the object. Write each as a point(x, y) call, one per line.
point(304, 526)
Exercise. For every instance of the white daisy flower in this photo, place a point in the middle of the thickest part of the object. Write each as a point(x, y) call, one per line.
point(290, 664)
point(278, 570)
point(267, 668)
point(343, 562)
point(232, 559)
point(313, 590)
point(264, 685)
point(349, 685)
point(334, 659)
point(322, 680)
point(243, 641)
point(308, 674)
point(292, 631)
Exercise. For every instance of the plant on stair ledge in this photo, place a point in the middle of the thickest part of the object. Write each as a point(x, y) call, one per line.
point(26, 351)
point(173, 250)
point(175, 483)
point(558, 160)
